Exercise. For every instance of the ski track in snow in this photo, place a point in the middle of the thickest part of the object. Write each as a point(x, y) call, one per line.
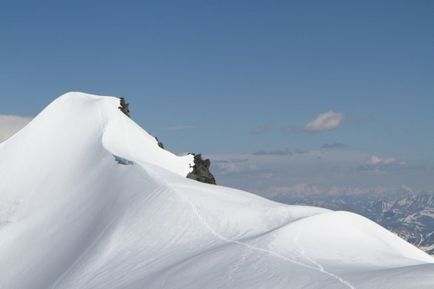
point(318, 267)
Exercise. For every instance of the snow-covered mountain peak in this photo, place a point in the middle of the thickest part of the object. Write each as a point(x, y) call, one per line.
point(89, 200)
point(79, 120)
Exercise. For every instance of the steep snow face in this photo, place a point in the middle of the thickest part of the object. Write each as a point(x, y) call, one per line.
point(89, 200)
point(78, 121)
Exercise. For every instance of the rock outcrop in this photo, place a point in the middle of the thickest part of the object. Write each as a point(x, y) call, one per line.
point(124, 107)
point(160, 144)
point(201, 171)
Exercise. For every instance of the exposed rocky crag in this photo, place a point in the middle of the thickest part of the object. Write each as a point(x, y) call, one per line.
point(201, 171)
point(160, 144)
point(124, 107)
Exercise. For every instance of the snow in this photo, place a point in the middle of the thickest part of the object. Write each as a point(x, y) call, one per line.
point(89, 200)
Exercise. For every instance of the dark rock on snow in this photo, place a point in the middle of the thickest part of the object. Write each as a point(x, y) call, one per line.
point(160, 144)
point(124, 107)
point(201, 171)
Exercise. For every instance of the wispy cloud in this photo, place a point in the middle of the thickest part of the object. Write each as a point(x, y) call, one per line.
point(380, 164)
point(261, 129)
point(279, 152)
point(288, 172)
point(301, 188)
point(300, 151)
point(234, 165)
point(324, 121)
point(10, 124)
point(230, 168)
point(377, 161)
point(306, 189)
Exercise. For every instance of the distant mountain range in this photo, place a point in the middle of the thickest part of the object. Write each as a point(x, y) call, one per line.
point(409, 216)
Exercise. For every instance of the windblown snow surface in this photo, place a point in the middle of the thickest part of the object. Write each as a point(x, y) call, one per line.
point(89, 200)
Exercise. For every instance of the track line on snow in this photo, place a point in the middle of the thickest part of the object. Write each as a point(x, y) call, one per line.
point(317, 264)
point(318, 267)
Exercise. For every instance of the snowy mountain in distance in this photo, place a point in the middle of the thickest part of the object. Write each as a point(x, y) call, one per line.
point(89, 200)
point(409, 215)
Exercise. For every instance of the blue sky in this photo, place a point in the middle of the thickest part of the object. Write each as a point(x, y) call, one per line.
point(234, 78)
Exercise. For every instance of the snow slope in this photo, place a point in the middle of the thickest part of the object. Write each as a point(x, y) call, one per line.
point(89, 200)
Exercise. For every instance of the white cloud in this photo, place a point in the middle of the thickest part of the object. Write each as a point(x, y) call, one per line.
point(324, 121)
point(10, 124)
point(302, 189)
point(337, 172)
point(377, 161)
point(298, 189)
point(235, 167)
point(380, 164)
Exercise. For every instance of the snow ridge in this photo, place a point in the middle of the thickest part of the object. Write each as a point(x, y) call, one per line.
point(318, 267)
point(90, 195)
